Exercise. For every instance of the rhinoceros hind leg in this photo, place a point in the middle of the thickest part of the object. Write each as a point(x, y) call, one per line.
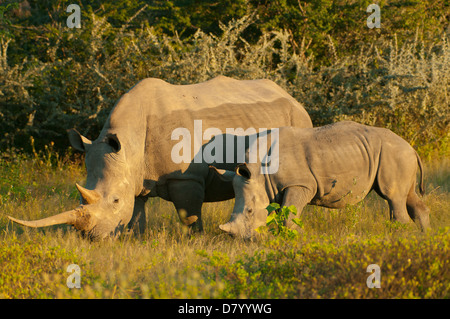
point(188, 197)
point(393, 182)
point(417, 209)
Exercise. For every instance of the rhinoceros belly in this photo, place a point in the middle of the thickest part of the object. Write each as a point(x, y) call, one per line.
point(345, 171)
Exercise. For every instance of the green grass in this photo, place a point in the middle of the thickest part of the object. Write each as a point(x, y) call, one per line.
point(327, 260)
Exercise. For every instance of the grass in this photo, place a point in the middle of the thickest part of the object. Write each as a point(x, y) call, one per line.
point(327, 260)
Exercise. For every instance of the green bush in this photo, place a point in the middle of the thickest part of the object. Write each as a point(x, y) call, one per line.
point(405, 89)
point(53, 78)
point(276, 221)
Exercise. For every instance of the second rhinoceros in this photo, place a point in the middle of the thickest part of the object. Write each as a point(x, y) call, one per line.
point(330, 166)
point(136, 155)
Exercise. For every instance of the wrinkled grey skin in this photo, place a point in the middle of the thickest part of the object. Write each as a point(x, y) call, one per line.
point(131, 158)
point(330, 166)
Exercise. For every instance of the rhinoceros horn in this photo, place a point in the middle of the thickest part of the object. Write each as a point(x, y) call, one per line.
point(74, 217)
point(69, 217)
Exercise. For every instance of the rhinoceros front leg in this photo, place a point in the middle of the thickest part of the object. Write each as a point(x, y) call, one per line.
point(188, 197)
point(298, 196)
point(138, 221)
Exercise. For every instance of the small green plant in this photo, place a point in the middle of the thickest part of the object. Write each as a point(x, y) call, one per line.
point(276, 220)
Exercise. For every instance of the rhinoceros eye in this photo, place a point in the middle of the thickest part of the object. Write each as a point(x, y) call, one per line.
point(113, 141)
point(116, 201)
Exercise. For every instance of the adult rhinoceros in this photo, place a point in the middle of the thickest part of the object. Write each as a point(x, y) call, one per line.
point(132, 159)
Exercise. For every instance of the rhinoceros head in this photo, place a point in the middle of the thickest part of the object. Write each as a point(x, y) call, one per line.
point(107, 201)
point(251, 200)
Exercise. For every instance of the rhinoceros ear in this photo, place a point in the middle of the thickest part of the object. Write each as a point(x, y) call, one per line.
point(226, 176)
point(242, 170)
point(78, 141)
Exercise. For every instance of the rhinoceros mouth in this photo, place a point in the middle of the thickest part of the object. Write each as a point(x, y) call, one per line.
point(237, 229)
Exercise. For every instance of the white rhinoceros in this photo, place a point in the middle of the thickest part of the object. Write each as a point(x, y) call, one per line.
point(133, 157)
point(331, 166)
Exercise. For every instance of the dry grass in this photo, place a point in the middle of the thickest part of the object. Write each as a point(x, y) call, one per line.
point(167, 263)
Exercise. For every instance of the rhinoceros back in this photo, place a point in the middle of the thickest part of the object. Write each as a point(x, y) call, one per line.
point(219, 103)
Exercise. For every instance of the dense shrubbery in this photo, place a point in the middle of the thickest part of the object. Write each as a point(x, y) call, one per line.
point(53, 78)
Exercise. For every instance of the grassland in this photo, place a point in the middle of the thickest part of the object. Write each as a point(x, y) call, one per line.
point(328, 259)
point(52, 79)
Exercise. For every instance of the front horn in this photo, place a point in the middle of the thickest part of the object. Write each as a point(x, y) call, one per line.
point(69, 217)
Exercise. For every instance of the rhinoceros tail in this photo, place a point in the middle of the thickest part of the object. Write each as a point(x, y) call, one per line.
point(421, 185)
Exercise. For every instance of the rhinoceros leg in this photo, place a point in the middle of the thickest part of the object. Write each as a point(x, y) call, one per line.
point(396, 181)
point(417, 209)
point(397, 210)
point(188, 197)
point(299, 197)
point(138, 221)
